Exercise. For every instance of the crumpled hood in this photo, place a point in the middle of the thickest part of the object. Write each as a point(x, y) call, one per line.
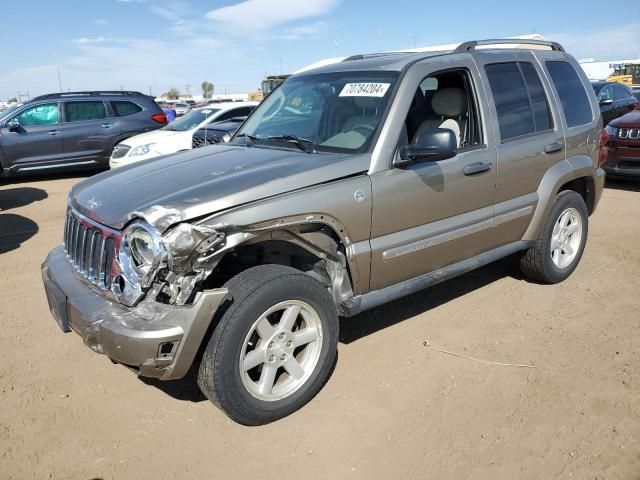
point(199, 182)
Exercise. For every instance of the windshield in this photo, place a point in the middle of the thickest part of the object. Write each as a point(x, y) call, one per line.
point(597, 87)
point(335, 112)
point(191, 120)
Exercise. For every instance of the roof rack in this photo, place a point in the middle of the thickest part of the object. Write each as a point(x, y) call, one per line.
point(470, 46)
point(96, 93)
point(362, 56)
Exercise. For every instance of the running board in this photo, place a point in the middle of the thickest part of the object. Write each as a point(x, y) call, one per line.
point(373, 299)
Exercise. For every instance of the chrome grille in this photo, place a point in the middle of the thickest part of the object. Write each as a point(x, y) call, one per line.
point(90, 248)
point(630, 133)
point(120, 151)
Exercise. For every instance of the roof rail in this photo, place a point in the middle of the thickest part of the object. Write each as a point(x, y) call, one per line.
point(362, 56)
point(96, 93)
point(471, 46)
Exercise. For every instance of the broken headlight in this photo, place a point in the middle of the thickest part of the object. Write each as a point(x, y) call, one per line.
point(141, 255)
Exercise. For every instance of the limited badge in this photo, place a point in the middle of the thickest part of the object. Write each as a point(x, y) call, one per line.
point(359, 196)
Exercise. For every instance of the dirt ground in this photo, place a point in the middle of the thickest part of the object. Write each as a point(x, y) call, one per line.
point(392, 409)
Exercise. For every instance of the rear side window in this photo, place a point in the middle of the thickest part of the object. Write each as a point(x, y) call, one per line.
point(123, 108)
point(84, 111)
point(575, 103)
point(521, 103)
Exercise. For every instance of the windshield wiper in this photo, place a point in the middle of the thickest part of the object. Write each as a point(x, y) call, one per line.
point(250, 139)
point(303, 144)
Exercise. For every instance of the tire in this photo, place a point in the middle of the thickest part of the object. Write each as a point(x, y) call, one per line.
point(243, 393)
point(553, 265)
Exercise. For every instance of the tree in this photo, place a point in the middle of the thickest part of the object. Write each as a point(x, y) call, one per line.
point(173, 93)
point(207, 89)
point(12, 100)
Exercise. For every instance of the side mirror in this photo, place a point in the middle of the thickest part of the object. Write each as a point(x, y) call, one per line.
point(606, 101)
point(429, 146)
point(14, 125)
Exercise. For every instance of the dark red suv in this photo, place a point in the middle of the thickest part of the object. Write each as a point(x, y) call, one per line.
point(623, 146)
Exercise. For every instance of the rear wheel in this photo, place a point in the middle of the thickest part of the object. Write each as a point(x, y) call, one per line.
point(559, 247)
point(273, 347)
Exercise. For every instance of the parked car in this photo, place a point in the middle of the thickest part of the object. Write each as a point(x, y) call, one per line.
point(623, 147)
point(636, 93)
point(351, 185)
point(181, 108)
point(175, 136)
point(64, 131)
point(218, 132)
point(615, 99)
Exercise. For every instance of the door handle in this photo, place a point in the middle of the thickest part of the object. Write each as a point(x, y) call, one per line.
point(554, 147)
point(106, 125)
point(53, 133)
point(475, 168)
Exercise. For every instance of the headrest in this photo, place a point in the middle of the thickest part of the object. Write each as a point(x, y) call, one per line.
point(449, 102)
point(367, 103)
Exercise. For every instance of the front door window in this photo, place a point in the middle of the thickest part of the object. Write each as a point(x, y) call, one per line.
point(45, 114)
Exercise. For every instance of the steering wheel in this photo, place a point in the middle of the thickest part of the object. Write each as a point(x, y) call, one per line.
point(276, 108)
point(363, 126)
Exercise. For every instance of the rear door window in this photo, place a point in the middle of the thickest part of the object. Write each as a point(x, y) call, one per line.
point(124, 108)
point(521, 103)
point(573, 97)
point(539, 104)
point(84, 111)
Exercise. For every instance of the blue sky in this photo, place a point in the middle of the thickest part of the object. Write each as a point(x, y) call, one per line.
point(142, 44)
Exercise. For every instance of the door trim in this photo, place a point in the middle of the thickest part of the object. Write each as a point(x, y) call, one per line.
point(439, 239)
point(435, 240)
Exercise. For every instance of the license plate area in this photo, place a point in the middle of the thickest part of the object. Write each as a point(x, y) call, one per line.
point(58, 305)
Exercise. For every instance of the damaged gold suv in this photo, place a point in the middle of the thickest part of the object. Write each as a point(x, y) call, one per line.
point(351, 185)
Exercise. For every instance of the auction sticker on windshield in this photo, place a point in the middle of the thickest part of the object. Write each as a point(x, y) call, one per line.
point(364, 89)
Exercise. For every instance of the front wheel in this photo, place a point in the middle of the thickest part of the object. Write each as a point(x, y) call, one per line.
point(273, 347)
point(559, 247)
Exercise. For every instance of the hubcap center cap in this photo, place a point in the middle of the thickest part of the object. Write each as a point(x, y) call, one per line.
point(280, 348)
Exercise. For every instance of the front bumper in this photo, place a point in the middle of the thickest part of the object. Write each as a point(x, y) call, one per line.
point(155, 339)
point(623, 159)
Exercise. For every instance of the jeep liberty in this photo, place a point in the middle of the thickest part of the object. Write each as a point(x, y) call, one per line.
point(351, 185)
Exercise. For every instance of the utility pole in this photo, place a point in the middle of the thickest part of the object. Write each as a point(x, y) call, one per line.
point(187, 88)
point(59, 80)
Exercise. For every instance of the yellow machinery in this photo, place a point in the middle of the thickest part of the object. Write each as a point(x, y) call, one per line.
point(268, 84)
point(627, 73)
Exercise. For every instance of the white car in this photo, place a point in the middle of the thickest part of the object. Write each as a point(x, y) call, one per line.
point(176, 136)
point(181, 108)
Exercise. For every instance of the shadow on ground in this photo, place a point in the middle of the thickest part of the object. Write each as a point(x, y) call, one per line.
point(185, 389)
point(14, 231)
point(20, 197)
point(367, 323)
point(45, 177)
point(622, 184)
